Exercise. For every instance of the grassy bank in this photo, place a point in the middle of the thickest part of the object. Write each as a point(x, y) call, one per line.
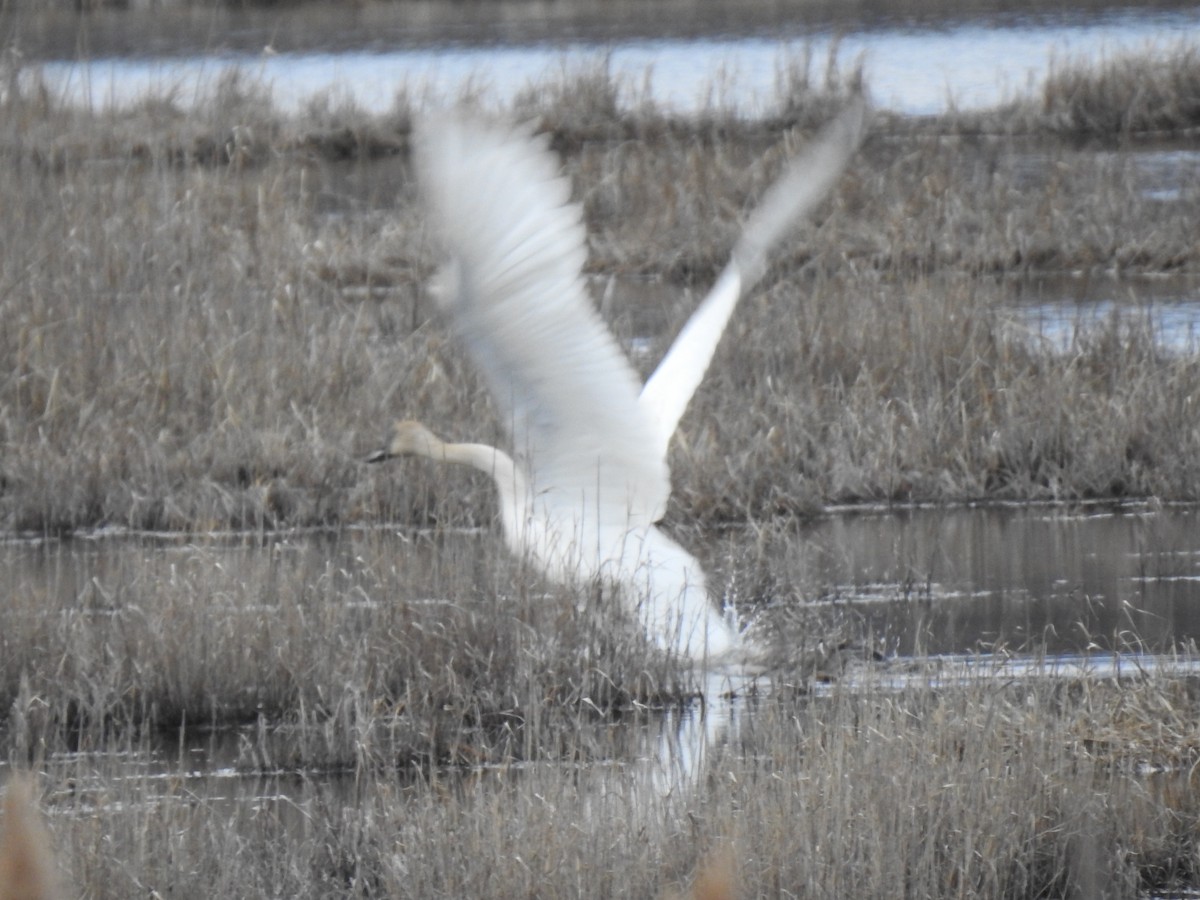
point(210, 318)
point(391, 717)
point(208, 321)
point(985, 791)
point(372, 648)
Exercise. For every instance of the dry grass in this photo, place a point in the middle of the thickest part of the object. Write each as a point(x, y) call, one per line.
point(416, 718)
point(983, 791)
point(26, 864)
point(356, 652)
point(208, 319)
point(1124, 99)
point(208, 323)
point(1126, 95)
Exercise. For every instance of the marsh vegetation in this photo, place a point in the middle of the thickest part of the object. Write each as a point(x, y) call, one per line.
point(210, 318)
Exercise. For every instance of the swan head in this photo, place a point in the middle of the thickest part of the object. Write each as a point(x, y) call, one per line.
point(408, 438)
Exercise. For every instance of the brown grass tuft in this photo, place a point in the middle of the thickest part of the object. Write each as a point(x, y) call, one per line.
point(26, 865)
point(1127, 94)
point(717, 878)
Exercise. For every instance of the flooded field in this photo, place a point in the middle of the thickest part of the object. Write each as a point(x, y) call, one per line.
point(982, 604)
point(243, 663)
point(1038, 580)
point(1002, 582)
point(928, 580)
point(1061, 314)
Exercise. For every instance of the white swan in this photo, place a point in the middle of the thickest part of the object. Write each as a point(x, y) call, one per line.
point(590, 477)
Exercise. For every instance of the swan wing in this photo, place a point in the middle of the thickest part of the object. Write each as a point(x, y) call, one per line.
point(514, 293)
point(805, 181)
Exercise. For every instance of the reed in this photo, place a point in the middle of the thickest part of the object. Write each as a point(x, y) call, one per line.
point(984, 790)
point(350, 652)
point(1126, 95)
point(208, 319)
point(389, 716)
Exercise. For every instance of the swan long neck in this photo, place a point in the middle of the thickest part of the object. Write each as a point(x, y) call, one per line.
point(511, 482)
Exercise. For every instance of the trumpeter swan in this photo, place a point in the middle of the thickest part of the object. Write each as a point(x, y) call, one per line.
point(590, 478)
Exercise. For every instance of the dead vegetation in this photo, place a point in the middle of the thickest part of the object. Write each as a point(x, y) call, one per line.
point(1126, 95)
point(208, 322)
point(984, 790)
point(26, 861)
point(209, 318)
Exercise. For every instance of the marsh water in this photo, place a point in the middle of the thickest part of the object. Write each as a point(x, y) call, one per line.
point(685, 56)
point(1044, 579)
point(1021, 591)
point(682, 55)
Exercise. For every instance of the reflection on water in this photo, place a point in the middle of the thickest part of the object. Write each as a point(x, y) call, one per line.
point(1060, 313)
point(653, 758)
point(960, 584)
point(1062, 325)
point(929, 580)
point(911, 68)
point(968, 580)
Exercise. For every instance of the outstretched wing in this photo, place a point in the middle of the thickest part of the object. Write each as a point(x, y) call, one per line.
point(514, 293)
point(804, 183)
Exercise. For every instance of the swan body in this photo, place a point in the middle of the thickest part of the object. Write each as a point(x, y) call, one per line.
point(569, 545)
point(588, 478)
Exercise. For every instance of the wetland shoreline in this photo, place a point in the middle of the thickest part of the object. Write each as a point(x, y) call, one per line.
point(209, 318)
point(211, 315)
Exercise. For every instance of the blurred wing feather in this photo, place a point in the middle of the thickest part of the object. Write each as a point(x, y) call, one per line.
point(514, 293)
point(804, 183)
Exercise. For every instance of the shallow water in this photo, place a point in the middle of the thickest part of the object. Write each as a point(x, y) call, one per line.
point(941, 597)
point(1061, 581)
point(913, 65)
point(1061, 313)
point(1050, 579)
